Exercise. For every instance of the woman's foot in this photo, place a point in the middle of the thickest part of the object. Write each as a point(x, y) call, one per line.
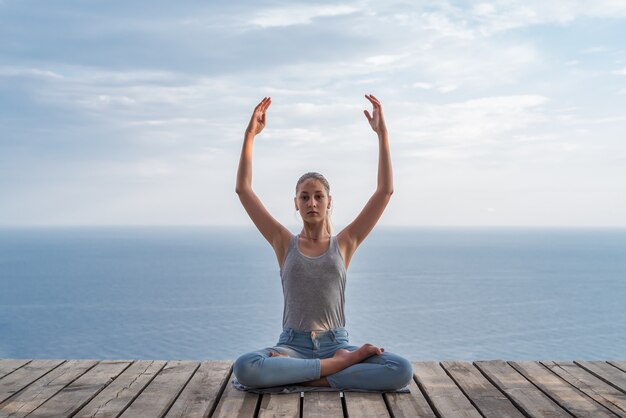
point(343, 358)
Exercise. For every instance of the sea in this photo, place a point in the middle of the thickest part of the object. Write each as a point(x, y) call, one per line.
point(211, 293)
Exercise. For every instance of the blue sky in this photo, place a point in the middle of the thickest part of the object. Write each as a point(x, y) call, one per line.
point(500, 113)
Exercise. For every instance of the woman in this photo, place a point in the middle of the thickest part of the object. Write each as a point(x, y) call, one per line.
point(313, 349)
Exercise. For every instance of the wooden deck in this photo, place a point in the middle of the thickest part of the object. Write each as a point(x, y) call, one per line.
point(141, 388)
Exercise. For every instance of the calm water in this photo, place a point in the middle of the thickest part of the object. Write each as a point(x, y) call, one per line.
point(214, 293)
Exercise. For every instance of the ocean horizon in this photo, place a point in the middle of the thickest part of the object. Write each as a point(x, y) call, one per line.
point(206, 292)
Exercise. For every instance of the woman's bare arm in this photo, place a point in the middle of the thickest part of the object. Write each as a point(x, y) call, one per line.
point(355, 233)
point(270, 228)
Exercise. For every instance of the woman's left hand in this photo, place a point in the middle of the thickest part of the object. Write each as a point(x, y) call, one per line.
point(377, 121)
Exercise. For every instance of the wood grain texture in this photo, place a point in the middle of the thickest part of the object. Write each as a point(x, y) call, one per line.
point(24, 376)
point(559, 390)
point(483, 395)
point(595, 388)
point(520, 391)
point(322, 405)
point(607, 372)
point(365, 405)
point(409, 405)
point(200, 396)
point(445, 396)
point(121, 392)
point(285, 405)
point(45, 388)
point(236, 403)
point(78, 393)
point(9, 365)
point(156, 399)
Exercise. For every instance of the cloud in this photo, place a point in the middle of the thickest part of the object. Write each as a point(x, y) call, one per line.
point(299, 15)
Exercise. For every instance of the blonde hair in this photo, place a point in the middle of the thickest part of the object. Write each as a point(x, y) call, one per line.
point(328, 225)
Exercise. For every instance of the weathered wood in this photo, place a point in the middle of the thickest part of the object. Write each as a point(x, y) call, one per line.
point(43, 389)
point(24, 376)
point(88, 388)
point(322, 405)
point(365, 405)
point(610, 374)
point(442, 392)
point(409, 405)
point(162, 391)
point(201, 394)
point(619, 364)
point(595, 388)
point(286, 405)
point(570, 399)
point(9, 365)
point(523, 394)
point(77, 394)
point(121, 392)
point(236, 403)
point(483, 395)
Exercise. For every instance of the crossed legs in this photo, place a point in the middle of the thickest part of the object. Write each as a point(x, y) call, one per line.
point(350, 367)
point(342, 359)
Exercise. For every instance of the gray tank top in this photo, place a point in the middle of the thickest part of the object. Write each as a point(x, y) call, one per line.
point(313, 288)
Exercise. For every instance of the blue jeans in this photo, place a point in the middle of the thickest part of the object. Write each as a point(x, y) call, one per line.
point(257, 369)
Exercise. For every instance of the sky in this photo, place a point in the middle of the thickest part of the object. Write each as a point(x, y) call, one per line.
point(505, 113)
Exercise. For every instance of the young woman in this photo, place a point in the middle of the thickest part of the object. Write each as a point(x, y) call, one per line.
point(313, 349)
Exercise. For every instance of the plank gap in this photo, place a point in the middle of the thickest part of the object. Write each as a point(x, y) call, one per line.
point(167, 409)
point(344, 407)
point(462, 390)
point(425, 394)
point(142, 389)
point(510, 398)
point(220, 391)
point(599, 376)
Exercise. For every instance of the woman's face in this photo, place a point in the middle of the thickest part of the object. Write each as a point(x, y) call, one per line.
point(312, 201)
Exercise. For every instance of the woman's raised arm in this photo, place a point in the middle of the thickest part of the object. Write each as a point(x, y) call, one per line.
point(353, 234)
point(270, 228)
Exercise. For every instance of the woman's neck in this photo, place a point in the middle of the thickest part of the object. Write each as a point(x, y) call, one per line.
point(313, 234)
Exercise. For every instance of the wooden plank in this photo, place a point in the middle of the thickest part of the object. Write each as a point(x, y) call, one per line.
point(483, 395)
point(160, 394)
point(236, 403)
point(444, 395)
point(568, 397)
point(610, 374)
point(619, 364)
point(521, 392)
point(7, 366)
point(409, 405)
point(24, 376)
point(43, 389)
point(322, 405)
point(120, 393)
point(285, 405)
point(74, 396)
point(365, 405)
point(595, 388)
point(201, 394)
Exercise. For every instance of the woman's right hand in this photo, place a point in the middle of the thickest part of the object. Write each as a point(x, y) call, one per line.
point(257, 121)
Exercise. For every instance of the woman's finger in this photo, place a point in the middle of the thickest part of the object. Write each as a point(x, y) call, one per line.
point(367, 115)
point(266, 104)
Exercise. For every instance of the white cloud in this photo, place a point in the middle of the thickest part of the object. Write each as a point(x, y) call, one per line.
point(620, 72)
point(422, 85)
point(298, 15)
point(384, 59)
point(28, 72)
